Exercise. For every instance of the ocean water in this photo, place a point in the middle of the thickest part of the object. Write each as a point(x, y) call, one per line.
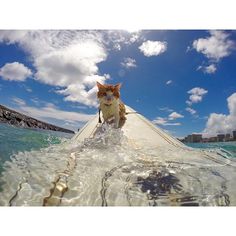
point(46, 169)
point(15, 139)
point(224, 146)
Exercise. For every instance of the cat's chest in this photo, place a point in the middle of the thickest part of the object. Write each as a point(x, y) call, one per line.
point(109, 111)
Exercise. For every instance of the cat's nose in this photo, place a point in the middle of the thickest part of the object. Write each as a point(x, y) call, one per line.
point(108, 97)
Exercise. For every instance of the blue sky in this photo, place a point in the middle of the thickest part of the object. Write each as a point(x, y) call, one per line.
point(183, 81)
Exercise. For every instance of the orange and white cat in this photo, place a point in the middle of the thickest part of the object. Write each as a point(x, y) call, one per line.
point(110, 104)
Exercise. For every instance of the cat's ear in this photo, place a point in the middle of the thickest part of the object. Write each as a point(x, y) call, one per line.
point(118, 86)
point(99, 85)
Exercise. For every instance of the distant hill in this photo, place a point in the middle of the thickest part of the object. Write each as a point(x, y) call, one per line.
point(15, 118)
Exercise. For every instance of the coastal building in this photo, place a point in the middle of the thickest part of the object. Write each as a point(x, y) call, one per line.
point(234, 134)
point(205, 140)
point(221, 137)
point(213, 139)
point(227, 137)
point(188, 139)
point(194, 138)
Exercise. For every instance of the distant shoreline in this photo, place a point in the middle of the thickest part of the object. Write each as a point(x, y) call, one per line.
point(197, 138)
point(17, 119)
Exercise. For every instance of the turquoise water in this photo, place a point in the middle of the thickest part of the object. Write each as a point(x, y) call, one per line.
point(227, 146)
point(15, 139)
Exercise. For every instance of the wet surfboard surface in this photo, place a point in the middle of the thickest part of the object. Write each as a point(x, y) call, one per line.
point(138, 165)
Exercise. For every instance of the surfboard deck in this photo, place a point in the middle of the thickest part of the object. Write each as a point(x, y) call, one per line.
point(164, 172)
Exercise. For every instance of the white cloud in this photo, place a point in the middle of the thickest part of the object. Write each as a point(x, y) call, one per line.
point(216, 46)
point(160, 121)
point(18, 101)
point(68, 59)
point(222, 123)
point(211, 69)
point(117, 47)
point(129, 63)
point(134, 37)
point(153, 48)
point(12, 36)
point(69, 65)
point(75, 68)
point(196, 95)
point(116, 39)
point(164, 122)
point(49, 111)
point(15, 71)
point(167, 109)
point(52, 114)
point(189, 103)
point(169, 82)
point(29, 90)
point(174, 115)
point(191, 111)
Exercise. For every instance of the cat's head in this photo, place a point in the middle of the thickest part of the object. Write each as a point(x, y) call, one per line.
point(107, 93)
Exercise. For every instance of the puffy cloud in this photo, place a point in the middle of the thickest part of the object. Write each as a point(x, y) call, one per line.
point(222, 123)
point(211, 69)
point(134, 37)
point(191, 111)
point(77, 92)
point(69, 65)
point(129, 63)
point(67, 59)
point(12, 36)
point(169, 82)
point(216, 46)
point(174, 115)
point(164, 122)
point(15, 71)
point(196, 95)
point(153, 48)
point(73, 67)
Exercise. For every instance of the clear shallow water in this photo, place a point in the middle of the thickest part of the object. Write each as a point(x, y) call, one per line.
point(14, 139)
point(107, 171)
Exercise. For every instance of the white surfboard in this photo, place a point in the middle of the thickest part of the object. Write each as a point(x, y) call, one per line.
point(157, 169)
